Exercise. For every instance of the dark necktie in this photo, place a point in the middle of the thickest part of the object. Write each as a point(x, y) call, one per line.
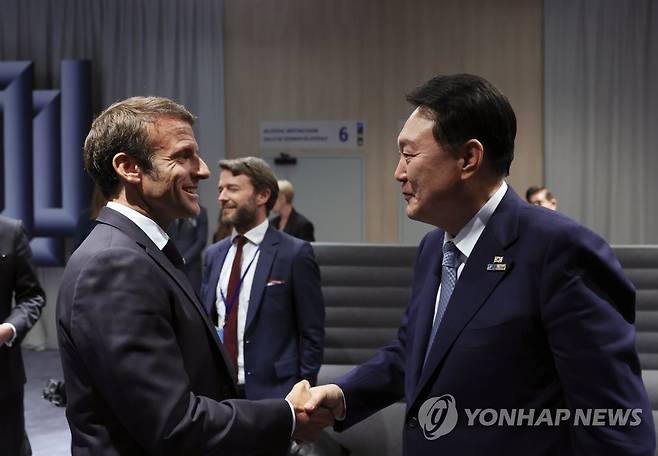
point(233, 300)
point(172, 253)
point(448, 281)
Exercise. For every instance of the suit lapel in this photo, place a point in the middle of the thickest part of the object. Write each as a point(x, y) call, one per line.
point(427, 300)
point(474, 285)
point(268, 251)
point(175, 273)
point(183, 282)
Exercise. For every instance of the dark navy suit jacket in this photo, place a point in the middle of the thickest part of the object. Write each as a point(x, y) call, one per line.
point(552, 329)
point(284, 331)
point(145, 372)
point(18, 282)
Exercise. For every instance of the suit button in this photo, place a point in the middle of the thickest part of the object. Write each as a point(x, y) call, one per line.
point(248, 341)
point(249, 373)
point(412, 423)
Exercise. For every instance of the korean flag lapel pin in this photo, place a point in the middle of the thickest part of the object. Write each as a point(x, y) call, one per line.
point(497, 264)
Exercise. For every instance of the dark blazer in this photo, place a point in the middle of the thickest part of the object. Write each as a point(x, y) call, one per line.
point(18, 279)
point(551, 329)
point(297, 226)
point(284, 331)
point(144, 369)
point(190, 239)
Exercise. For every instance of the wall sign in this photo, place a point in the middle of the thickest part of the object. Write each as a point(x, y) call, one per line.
point(313, 134)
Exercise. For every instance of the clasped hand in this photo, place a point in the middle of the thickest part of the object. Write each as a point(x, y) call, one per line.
point(315, 409)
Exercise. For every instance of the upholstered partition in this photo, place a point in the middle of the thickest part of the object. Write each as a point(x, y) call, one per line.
point(366, 289)
point(641, 265)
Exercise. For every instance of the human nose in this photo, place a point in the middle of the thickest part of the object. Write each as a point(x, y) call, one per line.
point(203, 171)
point(400, 172)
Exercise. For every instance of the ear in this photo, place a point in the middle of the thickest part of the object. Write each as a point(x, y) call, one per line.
point(263, 197)
point(472, 154)
point(127, 168)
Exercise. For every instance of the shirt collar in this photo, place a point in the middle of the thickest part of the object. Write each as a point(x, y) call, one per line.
point(148, 226)
point(256, 234)
point(468, 236)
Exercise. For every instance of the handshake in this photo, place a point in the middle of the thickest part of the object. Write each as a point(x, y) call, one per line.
point(315, 409)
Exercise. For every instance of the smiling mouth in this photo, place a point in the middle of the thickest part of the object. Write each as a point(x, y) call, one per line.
point(190, 190)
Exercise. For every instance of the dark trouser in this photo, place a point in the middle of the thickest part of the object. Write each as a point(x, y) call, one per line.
point(325, 446)
point(13, 439)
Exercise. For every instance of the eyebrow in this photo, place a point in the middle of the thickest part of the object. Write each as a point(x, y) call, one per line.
point(405, 142)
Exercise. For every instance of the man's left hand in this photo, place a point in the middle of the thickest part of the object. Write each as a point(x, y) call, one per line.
point(309, 425)
point(6, 333)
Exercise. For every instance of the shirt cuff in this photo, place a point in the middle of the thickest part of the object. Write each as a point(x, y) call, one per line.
point(10, 342)
point(294, 417)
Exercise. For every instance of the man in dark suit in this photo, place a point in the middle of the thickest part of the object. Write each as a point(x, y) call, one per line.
point(288, 219)
point(190, 235)
point(18, 282)
point(519, 336)
point(274, 319)
point(144, 370)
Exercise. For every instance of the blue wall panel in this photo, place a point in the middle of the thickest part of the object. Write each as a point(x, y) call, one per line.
point(43, 132)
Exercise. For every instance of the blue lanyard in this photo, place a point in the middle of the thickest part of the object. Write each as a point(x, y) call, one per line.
point(233, 299)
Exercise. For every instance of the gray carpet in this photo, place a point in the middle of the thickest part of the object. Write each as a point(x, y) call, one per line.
point(46, 424)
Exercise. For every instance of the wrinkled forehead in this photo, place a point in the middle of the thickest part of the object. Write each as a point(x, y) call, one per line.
point(165, 129)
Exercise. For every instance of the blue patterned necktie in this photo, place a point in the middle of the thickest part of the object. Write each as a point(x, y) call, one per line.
point(448, 281)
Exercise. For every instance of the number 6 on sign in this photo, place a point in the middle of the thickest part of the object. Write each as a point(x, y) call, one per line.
point(343, 135)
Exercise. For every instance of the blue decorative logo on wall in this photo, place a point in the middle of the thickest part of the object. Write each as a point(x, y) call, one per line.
point(43, 131)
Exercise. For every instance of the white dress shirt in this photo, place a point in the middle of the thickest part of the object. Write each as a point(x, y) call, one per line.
point(250, 255)
point(148, 226)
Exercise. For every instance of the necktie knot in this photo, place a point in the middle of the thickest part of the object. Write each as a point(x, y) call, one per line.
point(450, 252)
point(240, 241)
point(173, 254)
